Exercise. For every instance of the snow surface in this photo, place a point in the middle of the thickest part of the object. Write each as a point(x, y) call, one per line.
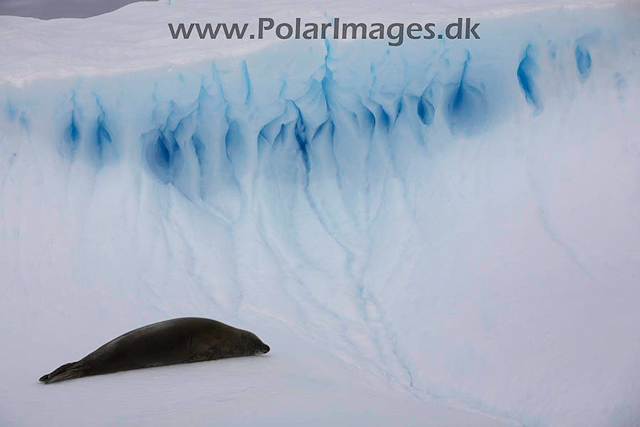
point(445, 233)
point(136, 37)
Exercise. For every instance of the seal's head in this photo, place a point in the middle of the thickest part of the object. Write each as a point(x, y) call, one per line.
point(254, 346)
point(264, 350)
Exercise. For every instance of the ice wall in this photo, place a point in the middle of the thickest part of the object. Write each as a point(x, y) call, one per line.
point(457, 220)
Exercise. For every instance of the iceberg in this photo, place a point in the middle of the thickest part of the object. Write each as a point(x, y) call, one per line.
point(444, 232)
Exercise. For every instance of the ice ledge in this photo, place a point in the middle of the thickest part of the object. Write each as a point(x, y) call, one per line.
point(136, 37)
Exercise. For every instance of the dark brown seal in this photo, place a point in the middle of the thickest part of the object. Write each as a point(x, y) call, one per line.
point(183, 340)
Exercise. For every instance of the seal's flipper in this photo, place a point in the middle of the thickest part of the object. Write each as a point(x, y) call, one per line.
point(65, 372)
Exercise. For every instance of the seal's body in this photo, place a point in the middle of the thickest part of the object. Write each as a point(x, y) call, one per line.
point(183, 340)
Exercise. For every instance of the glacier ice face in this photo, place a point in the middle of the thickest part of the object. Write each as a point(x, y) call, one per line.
point(405, 210)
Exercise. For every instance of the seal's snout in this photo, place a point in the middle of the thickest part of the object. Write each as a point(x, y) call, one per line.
point(265, 349)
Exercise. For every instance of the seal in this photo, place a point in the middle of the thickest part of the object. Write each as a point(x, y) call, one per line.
point(183, 340)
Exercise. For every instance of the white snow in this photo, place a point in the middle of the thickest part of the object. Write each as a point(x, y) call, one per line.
point(443, 233)
point(137, 37)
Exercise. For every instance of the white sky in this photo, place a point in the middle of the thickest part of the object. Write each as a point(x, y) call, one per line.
point(47, 9)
